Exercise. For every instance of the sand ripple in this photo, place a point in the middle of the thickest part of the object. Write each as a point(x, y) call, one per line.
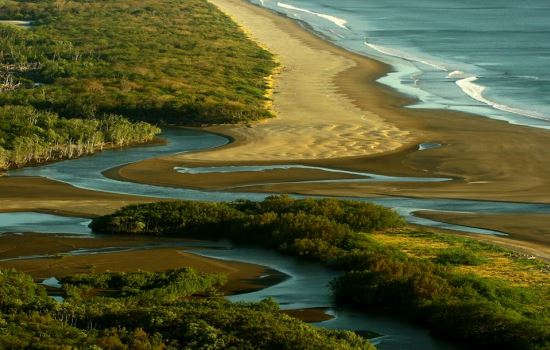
point(314, 120)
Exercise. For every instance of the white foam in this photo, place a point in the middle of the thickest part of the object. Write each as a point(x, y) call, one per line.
point(529, 77)
point(405, 56)
point(475, 91)
point(338, 21)
point(456, 74)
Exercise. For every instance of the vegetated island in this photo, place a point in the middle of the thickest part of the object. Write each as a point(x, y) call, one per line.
point(99, 63)
point(175, 309)
point(460, 288)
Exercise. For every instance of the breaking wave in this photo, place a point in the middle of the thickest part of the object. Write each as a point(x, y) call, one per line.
point(338, 21)
point(475, 91)
point(406, 56)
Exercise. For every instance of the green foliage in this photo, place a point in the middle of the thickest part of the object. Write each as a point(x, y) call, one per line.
point(132, 317)
point(178, 283)
point(457, 256)
point(174, 61)
point(328, 219)
point(18, 292)
point(483, 311)
point(169, 218)
point(29, 136)
point(359, 216)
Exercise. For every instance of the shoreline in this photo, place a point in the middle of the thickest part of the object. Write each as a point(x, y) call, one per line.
point(464, 156)
point(135, 253)
point(489, 159)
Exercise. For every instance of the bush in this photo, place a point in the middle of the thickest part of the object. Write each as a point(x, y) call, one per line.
point(457, 256)
point(358, 215)
point(375, 276)
point(166, 61)
point(151, 311)
point(29, 136)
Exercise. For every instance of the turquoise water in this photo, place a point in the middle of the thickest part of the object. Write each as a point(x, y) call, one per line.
point(489, 57)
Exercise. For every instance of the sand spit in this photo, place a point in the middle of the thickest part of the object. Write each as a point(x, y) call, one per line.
point(490, 159)
point(313, 119)
point(48, 196)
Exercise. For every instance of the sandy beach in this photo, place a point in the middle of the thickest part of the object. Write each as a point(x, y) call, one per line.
point(320, 121)
point(325, 105)
point(489, 159)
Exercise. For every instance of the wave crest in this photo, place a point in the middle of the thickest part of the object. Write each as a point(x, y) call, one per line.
point(340, 22)
point(456, 74)
point(475, 91)
point(405, 56)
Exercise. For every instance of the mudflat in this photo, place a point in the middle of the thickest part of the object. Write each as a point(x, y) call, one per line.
point(488, 159)
point(44, 195)
point(134, 254)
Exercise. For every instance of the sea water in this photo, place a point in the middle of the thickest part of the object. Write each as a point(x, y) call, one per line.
point(488, 57)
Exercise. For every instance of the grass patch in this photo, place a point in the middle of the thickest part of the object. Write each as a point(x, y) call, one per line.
point(457, 256)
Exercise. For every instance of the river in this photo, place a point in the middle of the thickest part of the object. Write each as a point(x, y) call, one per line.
point(308, 284)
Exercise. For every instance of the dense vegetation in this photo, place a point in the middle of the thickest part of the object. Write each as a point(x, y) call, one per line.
point(98, 62)
point(28, 136)
point(437, 288)
point(176, 61)
point(171, 310)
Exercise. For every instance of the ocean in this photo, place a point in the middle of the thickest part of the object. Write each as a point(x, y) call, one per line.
point(488, 57)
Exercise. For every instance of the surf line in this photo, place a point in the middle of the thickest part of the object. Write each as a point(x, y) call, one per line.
point(340, 22)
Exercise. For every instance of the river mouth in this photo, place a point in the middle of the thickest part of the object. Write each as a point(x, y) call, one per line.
point(307, 286)
point(87, 173)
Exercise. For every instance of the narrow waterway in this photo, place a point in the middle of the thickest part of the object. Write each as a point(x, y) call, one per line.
point(308, 283)
point(87, 173)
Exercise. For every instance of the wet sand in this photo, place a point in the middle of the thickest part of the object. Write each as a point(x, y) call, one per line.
point(43, 195)
point(527, 232)
point(242, 277)
point(160, 172)
point(489, 159)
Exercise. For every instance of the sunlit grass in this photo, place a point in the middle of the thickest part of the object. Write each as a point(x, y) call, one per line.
point(494, 262)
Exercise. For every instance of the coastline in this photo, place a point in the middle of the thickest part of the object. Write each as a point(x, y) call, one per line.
point(489, 159)
point(473, 152)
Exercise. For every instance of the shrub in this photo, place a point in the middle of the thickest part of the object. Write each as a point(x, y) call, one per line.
point(458, 256)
